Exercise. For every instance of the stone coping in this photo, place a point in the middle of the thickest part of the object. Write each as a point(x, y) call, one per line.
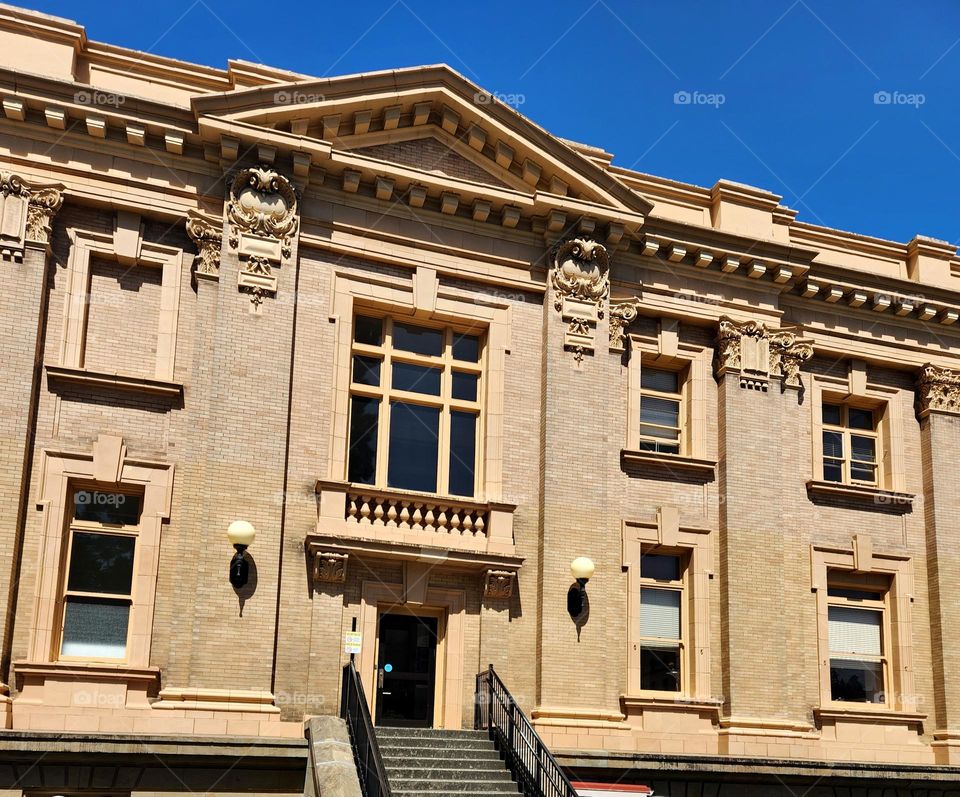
point(668, 762)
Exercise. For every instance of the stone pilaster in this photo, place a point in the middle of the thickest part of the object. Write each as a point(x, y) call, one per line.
point(938, 405)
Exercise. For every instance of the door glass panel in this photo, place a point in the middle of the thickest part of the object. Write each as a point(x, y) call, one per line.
point(406, 670)
point(101, 563)
point(414, 445)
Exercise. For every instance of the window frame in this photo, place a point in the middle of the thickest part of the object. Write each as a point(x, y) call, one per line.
point(681, 397)
point(388, 354)
point(842, 579)
point(847, 433)
point(680, 585)
point(88, 526)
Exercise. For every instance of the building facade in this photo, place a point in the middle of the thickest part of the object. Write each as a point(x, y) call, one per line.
point(433, 353)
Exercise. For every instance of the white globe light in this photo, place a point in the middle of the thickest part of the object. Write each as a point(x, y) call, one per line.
point(582, 567)
point(240, 532)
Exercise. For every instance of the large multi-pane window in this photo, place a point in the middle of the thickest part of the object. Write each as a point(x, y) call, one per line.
point(97, 593)
point(415, 406)
point(857, 630)
point(850, 441)
point(661, 622)
point(661, 400)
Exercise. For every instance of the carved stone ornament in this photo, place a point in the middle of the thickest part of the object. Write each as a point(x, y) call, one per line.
point(26, 214)
point(938, 390)
point(330, 567)
point(208, 237)
point(622, 315)
point(262, 217)
point(498, 583)
point(758, 353)
point(581, 285)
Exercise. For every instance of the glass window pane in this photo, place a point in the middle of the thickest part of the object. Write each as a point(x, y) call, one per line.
point(656, 379)
point(855, 630)
point(368, 330)
point(466, 348)
point(660, 567)
point(863, 473)
point(101, 563)
point(856, 681)
point(416, 378)
point(419, 340)
point(463, 452)
point(364, 420)
point(660, 667)
point(414, 443)
point(864, 448)
point(465, 386)
point(854, 594)
point(95, 628)
point(832, 414)
point(366, 370)
point(111, 508)
point(832, 471)
point(660, 613)
point(860, 419)
point(659, 431)
point(833, 444)
point(663, 412)
point(660, 446)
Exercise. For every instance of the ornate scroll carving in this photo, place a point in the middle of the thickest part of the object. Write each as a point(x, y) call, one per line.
point(208, 238)
point(262, 217)
point(498, 583)
point(758, 353)
point(26, 214)
point(622, 314)
point(330, 567)
point(938, 390)
point(581, 285)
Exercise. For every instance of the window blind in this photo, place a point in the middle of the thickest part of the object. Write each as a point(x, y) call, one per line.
point(660, 613)
point(855, 631)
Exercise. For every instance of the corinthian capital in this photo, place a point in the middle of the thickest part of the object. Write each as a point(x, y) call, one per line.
point(938, 390)
point(26, 214)
point(758, 353)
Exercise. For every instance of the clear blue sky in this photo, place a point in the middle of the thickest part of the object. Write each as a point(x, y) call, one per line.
point(798, 80)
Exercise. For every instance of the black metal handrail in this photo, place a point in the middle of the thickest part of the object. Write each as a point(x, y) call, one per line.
point(366, 752)
point(530, 762)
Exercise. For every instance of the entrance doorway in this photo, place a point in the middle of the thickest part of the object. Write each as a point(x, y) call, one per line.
point(406, 670)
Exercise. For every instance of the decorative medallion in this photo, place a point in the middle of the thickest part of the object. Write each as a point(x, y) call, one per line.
point(330, 567)
point(758, 353)
point(498, 583)
point(581, 285)
point(938, 390)
point(208, 238)
point(262, 217)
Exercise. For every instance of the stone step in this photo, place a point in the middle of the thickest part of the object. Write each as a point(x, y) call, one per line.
point(430, 733)
point(432, 793)
point(427, 742)
point(460, 787)
point(402, 755)
point(491, 763)
point(428, 772)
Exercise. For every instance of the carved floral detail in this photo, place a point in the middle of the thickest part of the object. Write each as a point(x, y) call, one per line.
point(498, 583)
point(43, 205)
point(28, 213)
point(13, 185)
point(209, 241)
point(622, 314)
point(938, 390)
point(330, 567)
point(758, 353)
point(581, 271)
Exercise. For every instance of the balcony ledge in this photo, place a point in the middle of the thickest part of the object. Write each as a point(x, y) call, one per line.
point(877, 496)
point(669, 463)
point(102, 379)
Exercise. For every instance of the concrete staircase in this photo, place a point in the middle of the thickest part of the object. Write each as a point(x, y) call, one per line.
point(443, 763)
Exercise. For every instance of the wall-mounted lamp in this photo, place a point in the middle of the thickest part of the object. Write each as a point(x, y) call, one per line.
point(241, 535)
point(581, 569)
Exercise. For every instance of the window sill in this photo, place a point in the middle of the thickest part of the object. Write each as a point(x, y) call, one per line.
point(82, 670)
point(669, 463)
point(862, 493)
point(868, 712)
point(139, 384)
point(661, 700)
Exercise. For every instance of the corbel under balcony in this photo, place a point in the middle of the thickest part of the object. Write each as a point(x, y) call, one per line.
point(670, 464)
point(82, 376)
point(410, 526)
point(863, 494)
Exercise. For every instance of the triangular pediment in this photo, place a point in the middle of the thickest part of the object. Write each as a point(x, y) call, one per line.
point(429, 120)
